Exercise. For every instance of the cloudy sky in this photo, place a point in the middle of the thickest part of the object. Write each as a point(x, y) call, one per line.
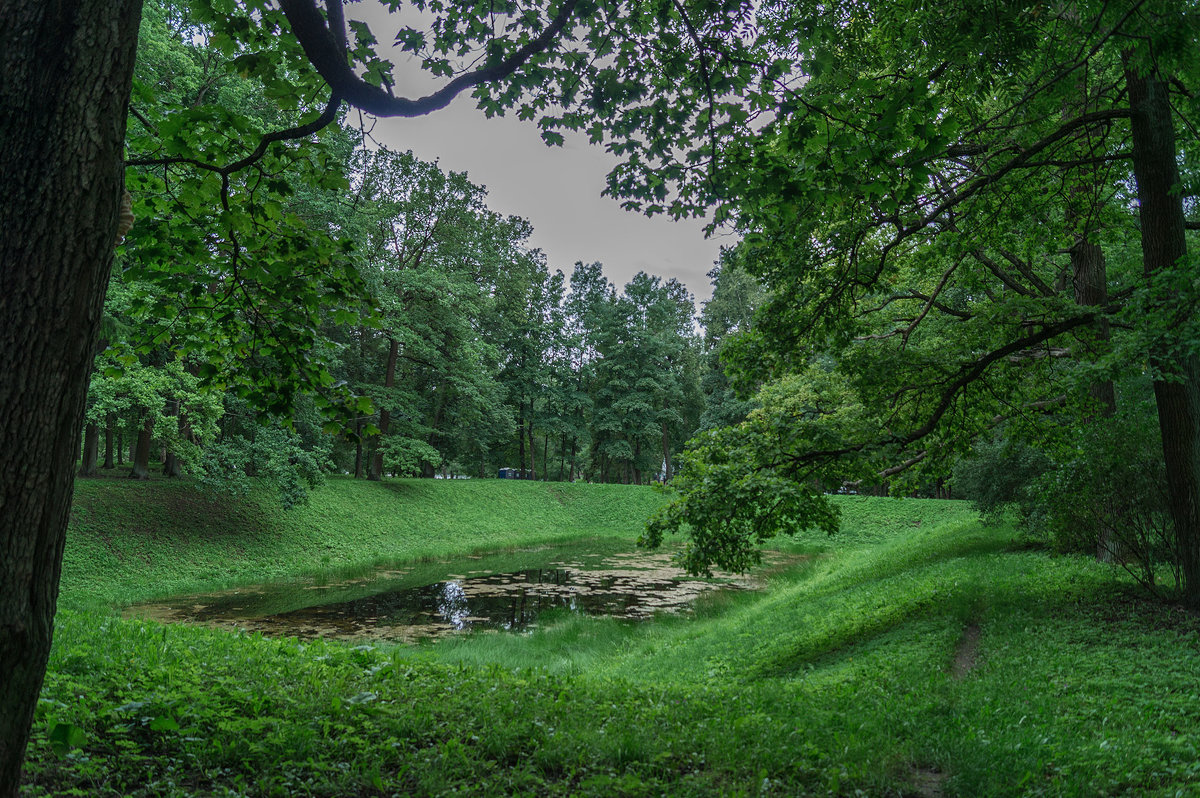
point(556, 188)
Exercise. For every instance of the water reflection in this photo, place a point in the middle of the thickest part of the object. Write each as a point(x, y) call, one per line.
point(388, 605)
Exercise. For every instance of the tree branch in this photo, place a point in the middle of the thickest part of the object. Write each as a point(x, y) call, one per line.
point(321, 47)
point(967, 374)
point(302, 131)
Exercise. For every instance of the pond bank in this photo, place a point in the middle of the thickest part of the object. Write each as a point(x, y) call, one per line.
point(134, 541)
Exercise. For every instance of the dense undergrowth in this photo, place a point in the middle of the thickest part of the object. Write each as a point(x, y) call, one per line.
point(917, 653)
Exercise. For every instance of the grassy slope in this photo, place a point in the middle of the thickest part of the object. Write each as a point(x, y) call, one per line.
point(837, 679)
point(130, 541)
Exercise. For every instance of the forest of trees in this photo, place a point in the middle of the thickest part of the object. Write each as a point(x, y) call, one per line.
point(441, 343)
point(965, 228)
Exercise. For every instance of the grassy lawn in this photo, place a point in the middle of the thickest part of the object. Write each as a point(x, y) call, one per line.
point(917, 653)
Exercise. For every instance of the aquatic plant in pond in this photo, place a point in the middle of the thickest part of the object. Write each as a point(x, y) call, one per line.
point(404, 605)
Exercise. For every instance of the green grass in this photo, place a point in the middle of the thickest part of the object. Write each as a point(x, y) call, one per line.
point(130, 541)
point(837, 679)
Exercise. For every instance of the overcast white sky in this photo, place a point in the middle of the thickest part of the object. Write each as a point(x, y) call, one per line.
point(556, 188)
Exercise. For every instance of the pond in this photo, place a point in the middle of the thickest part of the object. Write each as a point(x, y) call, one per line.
point(507, 591)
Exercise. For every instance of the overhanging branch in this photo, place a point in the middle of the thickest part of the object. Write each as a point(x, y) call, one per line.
point(302, 131)
point(321, 47)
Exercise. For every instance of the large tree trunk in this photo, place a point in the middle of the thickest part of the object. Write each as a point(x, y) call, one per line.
point(91, 450)
point(141, 454)
point(385, 418)
point(67, 69)
point(1164, 245)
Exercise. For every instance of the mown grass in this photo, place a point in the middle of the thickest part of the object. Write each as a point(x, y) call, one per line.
point(130, 541)
point(837, 679)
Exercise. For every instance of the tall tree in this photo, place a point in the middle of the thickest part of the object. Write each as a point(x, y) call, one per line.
point(912, 208)
point(67, 71)
point(736, 296)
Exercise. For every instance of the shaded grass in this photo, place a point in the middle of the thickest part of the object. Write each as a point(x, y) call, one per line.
point(835, 680)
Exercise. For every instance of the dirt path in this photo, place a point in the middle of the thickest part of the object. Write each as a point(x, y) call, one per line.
point(966, 652)
point(927, 782)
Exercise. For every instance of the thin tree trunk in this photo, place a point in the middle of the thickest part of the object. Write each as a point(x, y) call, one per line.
point(562, 457)
point(545, 454)
point(1163, 246)
point(358, 449)
point(171, 466)
point(120, 447)
point(141, 455)
point(91, 450)
point(385, 417)
point(532, 449)
point(1091, 289)
point(521, 437)
point(1090, 283)
point(109, 421)
point(435, 438)
point(666, 446)
point(67, 69)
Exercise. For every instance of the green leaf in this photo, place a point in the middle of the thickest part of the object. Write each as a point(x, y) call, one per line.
point(164, 723)
point(65, 736)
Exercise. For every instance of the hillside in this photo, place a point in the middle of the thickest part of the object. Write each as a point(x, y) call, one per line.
point(917, 653)
point(134, 540)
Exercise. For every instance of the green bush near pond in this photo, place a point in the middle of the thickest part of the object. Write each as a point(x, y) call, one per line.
point(916, 653)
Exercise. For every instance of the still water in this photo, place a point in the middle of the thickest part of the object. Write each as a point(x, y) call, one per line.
point(502, 592)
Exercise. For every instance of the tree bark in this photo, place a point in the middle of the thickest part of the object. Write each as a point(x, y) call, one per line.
point(109, 421)
point(385, 417)
point(67, 68)
point(1091, 290)
point(171, 466)
point(141, 454)
point(91, 450)
point(1163, 246)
